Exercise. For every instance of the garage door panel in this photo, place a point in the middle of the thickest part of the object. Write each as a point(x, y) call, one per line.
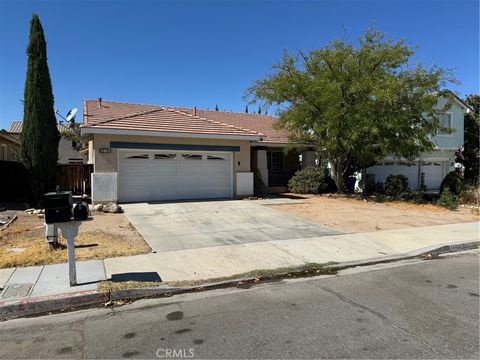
point(174, 175)
point(383, 171)
point(433, 173)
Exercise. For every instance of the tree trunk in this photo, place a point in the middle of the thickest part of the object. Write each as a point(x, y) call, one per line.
point(338, 176)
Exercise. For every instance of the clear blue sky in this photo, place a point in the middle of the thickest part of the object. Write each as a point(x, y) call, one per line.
point(202, 53)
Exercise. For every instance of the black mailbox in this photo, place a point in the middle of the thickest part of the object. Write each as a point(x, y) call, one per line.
point(58, 206)
point(80, 211)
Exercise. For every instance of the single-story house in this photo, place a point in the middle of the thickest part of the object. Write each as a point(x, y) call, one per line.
point(9, 146)
point(428, 169)
point(153, 152)
point(68, 150)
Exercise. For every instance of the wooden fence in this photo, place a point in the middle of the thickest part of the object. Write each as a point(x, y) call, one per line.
point(75, 178)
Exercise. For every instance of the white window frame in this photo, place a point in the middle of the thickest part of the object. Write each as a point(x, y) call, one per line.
point(440, 132)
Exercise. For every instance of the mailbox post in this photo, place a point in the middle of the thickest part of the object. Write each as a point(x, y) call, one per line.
point(70, 232)
point(59, 211)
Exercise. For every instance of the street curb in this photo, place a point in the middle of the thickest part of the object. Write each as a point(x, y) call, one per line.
point(429, 250)
point(45, 304)
point(69, 301)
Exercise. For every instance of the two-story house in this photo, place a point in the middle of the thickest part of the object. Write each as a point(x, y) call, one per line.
point(428, 169)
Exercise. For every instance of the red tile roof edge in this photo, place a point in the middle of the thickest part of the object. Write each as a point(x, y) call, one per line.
point(158, 108)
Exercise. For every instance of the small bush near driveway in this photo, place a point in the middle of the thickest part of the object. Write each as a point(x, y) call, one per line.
point(312, 180)
point(396, 185)
point(447, 199)
point(454, 182)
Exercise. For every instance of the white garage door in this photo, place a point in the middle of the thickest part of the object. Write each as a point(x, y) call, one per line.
point(433, 172)
point(172, 175)
point(381, 173)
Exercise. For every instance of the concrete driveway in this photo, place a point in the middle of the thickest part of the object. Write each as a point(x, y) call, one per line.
point(189, 225)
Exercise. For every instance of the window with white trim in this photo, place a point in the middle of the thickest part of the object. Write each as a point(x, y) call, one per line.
point(445, 121)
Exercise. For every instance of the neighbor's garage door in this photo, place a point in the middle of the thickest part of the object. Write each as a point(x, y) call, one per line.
point(433, 172)
point(381, 173)
point(150, 176)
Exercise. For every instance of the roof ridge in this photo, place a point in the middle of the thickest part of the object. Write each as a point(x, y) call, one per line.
point(218, 122)
point(180, 107)
point(235, 112)
point(123, 102)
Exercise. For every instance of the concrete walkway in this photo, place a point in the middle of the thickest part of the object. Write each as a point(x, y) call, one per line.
point(48, 280)
point(221, 261)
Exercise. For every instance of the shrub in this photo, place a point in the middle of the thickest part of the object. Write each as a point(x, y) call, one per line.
point(312, 180)
point(470, 196)
point(396, 185)
point(447, 199)
point(454, 182)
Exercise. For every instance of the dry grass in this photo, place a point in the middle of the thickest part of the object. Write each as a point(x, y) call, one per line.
point(353, 214)
point(96, 242)
point(124, 285)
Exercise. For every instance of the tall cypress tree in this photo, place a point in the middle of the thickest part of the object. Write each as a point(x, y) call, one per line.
point(40, 136)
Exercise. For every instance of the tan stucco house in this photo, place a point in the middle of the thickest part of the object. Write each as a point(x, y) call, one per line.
point(9, 146)
point(68, 150)
point(154, 153)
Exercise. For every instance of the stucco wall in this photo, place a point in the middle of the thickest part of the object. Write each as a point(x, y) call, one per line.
point(90, 152)
point(9, 150)
point(107, 162)
point(66, 151)
point(454, 140)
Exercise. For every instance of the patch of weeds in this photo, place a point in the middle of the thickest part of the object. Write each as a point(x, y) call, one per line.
point(379, 198)
point(447, 199)
point(309, 269)
point(124, 285)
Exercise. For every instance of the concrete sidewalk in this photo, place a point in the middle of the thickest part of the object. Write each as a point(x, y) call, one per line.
point(25, 284)
point(48, 280)
point(221, 261)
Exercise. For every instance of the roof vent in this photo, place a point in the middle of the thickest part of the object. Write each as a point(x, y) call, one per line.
point(99, 102)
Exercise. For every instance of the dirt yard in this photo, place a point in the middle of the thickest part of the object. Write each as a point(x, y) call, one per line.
point(355, 215)
point(107, 235)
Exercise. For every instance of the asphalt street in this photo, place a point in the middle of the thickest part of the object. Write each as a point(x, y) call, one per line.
point(410, 309)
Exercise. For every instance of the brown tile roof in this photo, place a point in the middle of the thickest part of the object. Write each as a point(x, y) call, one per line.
point(16, 127)
point(256, 122)
point(118, 115)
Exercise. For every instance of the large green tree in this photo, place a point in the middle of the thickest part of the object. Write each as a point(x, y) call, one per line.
point(472, 138)
point(357, 102)
point(40, 136)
